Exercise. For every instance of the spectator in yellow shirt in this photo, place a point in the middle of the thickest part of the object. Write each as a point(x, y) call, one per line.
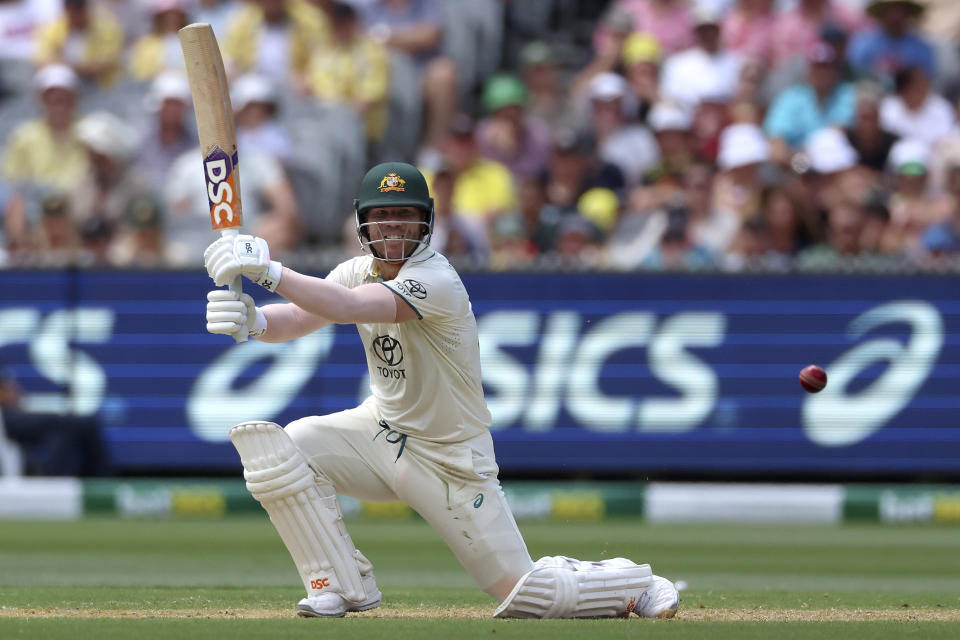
point(45, 152)
point(159, 50)
point(274, 38)
point(353, 69)
point(483, 190)
point(85, 38)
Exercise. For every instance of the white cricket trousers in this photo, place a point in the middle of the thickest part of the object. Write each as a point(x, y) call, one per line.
point(453, 487)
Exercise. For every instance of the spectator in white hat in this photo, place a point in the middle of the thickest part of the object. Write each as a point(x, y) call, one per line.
point(112, 185)
point(912, 207)
point(833, 172)
point(631, 147)
point(45, 151)
point(705, 69)
point(255, 103)
point(737, 189)
point(169, 131)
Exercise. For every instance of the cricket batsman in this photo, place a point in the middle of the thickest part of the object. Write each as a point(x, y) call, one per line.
point(422, 437)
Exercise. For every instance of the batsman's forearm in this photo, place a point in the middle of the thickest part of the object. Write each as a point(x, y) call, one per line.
point(289, 322)
point(335, 302)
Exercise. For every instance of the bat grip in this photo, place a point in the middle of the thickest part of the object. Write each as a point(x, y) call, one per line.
point(236, 287)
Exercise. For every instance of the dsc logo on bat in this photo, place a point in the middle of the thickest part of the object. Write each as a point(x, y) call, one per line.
point(222, 192)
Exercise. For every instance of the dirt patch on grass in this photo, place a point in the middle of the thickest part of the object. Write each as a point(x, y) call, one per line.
point(433, 612)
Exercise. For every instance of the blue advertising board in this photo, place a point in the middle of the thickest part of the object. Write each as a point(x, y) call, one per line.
point(635, 373)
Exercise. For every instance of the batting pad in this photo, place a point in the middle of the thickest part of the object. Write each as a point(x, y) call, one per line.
point(304, 510)
point(560, 587)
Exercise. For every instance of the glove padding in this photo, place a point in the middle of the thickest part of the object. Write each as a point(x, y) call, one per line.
point(229, 312)
point(246, 255)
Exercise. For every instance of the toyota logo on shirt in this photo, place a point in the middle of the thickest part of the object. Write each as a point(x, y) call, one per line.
point(388, 349)
point(416, 289)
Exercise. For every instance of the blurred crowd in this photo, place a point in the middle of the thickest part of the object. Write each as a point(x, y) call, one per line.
point(626, 135)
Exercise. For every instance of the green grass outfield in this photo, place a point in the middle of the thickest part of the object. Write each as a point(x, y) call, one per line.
point(231, 578)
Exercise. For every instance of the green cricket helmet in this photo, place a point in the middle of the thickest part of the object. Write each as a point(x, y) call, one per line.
point(393, 184)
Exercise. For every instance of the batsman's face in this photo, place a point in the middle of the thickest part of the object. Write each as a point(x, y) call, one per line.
point(394, 231)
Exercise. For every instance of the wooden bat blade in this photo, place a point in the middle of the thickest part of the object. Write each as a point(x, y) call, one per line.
point(215, 127)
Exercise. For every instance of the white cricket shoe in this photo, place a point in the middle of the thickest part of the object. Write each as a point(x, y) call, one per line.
point(334, 605)
point(660, 600)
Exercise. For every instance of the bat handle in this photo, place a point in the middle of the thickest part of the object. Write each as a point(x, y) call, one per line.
point(237, 287)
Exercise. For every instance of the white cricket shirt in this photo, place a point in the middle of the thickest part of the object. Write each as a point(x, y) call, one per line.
point(424, 373)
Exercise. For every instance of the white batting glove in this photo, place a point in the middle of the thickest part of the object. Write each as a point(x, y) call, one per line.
point(229, 312)
point(244, 255)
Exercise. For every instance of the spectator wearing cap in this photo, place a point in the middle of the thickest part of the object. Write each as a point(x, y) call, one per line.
point(86, 38)
point(56, 240)
point(159, 50)
point(169, 132)
point(798, 28)
point(113, 181)
point(668, 21)
point(508, 135)
point(415, 28)
point(255, 104)
point(833, 173)
point(641, 59)
point(672, 124)
point(275, 38)
point(871, 142)
point(45, 152)
point(548, 98)
point(893, 43)
point(629, 146)
point(706, 70)
point(483, 189)
point(352, 69)
point(143, 243)
point(912, 207)
point(748, 29)
point(823, 100)
point(915, 111)
point(737, 189)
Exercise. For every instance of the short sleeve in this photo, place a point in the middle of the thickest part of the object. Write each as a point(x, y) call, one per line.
point(435, 294)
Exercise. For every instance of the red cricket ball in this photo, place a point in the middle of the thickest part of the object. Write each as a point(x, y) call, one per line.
point(813, 378)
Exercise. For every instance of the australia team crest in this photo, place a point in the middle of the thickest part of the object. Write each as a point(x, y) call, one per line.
point(392, 182)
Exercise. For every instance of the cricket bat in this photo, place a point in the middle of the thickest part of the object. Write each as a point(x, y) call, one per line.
point(218, 138)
